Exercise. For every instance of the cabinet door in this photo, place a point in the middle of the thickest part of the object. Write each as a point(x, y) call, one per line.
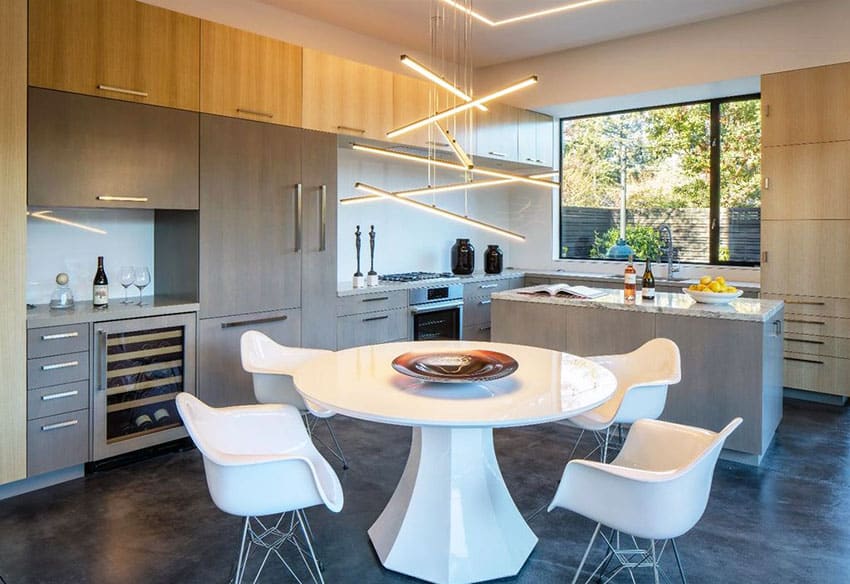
point(120, 49)
point(536, 135)
point(91, 152)
point(372, 328)
point(807, 258)
point(497, 132)
point(344, 97)
point(808, 105)
point(248, 75)
point(250, 218)
point(808, 181)
point(221, 379)
point(413, 100)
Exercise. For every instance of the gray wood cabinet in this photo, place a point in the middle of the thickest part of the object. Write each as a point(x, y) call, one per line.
point(92, 152)
point(536, 138)
point(496, 132)
point(476, 306)
point(251, 230)
point(221, 379)
point(372, 328)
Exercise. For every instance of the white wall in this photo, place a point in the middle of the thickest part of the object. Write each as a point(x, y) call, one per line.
point(408, 239)
point(54, 248)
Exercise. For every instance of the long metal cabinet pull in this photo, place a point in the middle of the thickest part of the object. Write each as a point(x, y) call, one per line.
point(370, 319)
point(813, 361)
point(263, 320)
point(59, 336)
point(250, 112)
point(49, 427)
point(59, 365)
point(805, 302)
point(123, 90)
point(53, 396)
point(298, 217)
point(102, 342)
point(807, 341)
point(323, 217)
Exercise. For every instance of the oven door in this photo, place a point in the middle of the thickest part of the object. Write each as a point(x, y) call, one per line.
point(440, 321)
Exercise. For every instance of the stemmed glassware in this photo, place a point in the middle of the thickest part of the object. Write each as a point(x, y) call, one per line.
point(142, 279)
point(127, 276)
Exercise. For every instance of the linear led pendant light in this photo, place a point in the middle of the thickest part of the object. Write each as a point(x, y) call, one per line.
point(521, 17)
point(456, 148)
point(441, 81)
point(47, 216)
point(438, 211)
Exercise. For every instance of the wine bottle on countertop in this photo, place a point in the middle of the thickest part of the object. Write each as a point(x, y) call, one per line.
point(647, 290)
point(100, 286)
point(630, 281)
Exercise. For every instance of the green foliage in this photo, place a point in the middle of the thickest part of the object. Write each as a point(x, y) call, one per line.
point(723, 253)
point(644, 239)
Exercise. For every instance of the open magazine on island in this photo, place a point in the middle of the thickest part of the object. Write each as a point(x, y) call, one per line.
point(565, 290)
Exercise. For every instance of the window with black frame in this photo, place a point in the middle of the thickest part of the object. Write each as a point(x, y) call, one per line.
point(694, 167)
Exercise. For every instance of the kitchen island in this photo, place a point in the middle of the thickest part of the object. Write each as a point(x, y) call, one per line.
point(731, 354)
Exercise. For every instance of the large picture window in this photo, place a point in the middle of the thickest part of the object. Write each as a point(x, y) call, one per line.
point(694, 167)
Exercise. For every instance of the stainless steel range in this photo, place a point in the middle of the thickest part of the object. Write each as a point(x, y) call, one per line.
point(436, 312)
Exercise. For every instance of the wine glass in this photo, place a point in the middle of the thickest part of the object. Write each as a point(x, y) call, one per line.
point(142, 279)
point(127, 277)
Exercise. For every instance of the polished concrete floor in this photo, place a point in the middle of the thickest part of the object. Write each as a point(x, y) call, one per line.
point(153, 521)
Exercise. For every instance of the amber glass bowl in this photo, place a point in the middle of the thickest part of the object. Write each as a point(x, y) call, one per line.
point(455, 367)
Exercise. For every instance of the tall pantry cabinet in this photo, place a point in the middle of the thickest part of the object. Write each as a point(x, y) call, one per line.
point(806, 221)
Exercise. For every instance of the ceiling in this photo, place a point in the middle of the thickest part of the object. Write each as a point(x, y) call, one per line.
point(406, 22)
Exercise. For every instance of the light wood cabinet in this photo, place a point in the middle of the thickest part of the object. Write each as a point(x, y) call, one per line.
point(536, 135)
point(413, 100)
point(250, 76)
point(497, 131)
point(345, 97)
point(121, 49)
point(372, 328)
point(805, 106)
point(818, 373)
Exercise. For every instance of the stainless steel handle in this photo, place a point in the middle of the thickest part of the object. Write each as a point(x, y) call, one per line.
point(323, 217)
point(250, 112)
point(767, 110)
point(298, 201)
point(802, 321)
point(53, 396)
point(121, 199)
point(488, 286)
point(64, 365)
point(813, 361)
point(350, 129)
point(764, 257)
point(531, 160)
point(805, 303)
point(777, 327)
point(102, 344)
point(499, 154)
point(424, 308)
point(371, 318)
point(236, 323)
point(766, 183)
point(59, 336)
point(807, 341)
point(375, 299)
point(58, 425)
point(123, 90)
point(484, 302)
point(481, 329)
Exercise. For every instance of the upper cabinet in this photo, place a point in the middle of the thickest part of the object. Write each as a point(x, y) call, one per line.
point(250, 76)
point(536, 138)
point(121, 49)
point(344, 97)
point(413, 100)
point(796, 106)
point(496, 132)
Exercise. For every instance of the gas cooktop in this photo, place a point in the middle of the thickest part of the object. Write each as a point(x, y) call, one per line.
point(415, 276)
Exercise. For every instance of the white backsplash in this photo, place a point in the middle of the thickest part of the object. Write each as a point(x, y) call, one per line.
point(54, 248)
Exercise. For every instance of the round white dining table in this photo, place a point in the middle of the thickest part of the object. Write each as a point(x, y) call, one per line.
point(451, 518)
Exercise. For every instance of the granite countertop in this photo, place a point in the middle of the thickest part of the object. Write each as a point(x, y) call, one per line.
point(83, 311)
point(619, 278)
point(345, 289)
point(742, 309)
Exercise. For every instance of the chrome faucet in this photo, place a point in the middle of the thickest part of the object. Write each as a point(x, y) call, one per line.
point(667, 246)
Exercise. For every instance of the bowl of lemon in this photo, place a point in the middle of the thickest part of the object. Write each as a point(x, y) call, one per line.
point(712, 291)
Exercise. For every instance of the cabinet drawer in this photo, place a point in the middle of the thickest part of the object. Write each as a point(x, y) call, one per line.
point(373, 328)
point(817, 325)
point(818, 345)
point(47, 371)
point(362, 303)
point(817, 373)
point(485, 288)
point(58, 399)
point(476, 311)
point(476, 332)
point(57, 340)
point(57, 442)
point(813, 305)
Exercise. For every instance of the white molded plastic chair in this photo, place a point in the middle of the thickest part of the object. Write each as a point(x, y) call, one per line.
point(271, 366)
point(259, 460)
point(657, 489)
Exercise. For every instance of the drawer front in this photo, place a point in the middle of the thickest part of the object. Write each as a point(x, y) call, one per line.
point(58, 369)
point(58, 399)
point(817, 373)
point(363, 303)
point(475, 289)
point(476, 332)
point(373, 328)
point(813, 305)
point(818, 345)
point(476, 310)
point(57, 340)
point(817, 325)
point(57, 442)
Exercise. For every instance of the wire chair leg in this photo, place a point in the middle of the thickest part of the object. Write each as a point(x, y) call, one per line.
point(240, 564)
point(654, 561)
point(336, 444)
point(575, 446)
point(587, 552)
point(679, 561)
point(605, 447)
point(310, 547)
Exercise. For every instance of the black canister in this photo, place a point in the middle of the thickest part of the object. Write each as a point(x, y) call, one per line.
point(463, 258)
point(493, 260)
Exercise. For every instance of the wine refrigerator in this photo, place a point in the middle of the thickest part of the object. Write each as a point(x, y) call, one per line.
point(140, 366)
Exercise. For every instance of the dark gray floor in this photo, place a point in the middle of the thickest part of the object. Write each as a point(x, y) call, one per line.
point(788, 521)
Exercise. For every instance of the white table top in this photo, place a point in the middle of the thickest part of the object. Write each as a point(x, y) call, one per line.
point(547, 386)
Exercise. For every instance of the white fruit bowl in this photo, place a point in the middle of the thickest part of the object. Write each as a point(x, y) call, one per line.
point(713, 297)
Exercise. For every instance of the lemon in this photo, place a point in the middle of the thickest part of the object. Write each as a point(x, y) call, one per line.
point(731, 289)
point(715, 287)
point(720, 280)
point(705, 280)
point(694, 287)
point(701, 288)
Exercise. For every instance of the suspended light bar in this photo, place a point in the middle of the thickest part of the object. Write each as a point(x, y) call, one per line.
point(521, 17)
point(454, 165)
point(46, 216)
point(433, 190)
point(441, 81)
point(456, 148)
point(463, 107)
point(438, 211)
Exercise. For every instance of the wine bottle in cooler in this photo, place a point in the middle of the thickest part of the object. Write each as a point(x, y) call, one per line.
point(630, 281)
point(100, 286)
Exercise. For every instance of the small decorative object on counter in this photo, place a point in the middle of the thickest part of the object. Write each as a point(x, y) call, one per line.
point(359, 281)
point(372, 276)
point(493, 260)
point(630, 281)
point(647, 290)
point(62, 296)
point(100, 286)
point(463, 258)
